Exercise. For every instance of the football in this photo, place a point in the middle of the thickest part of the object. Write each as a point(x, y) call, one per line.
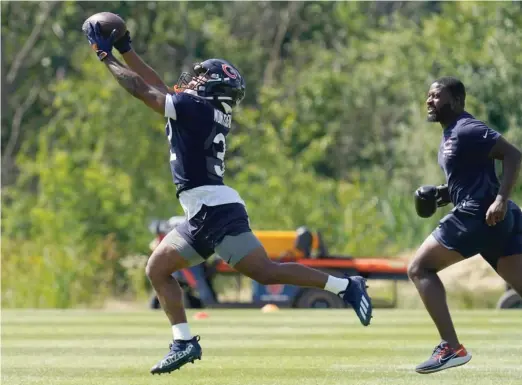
point(108, 22)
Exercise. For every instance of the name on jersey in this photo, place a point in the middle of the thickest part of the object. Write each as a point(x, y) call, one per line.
point(223, 119)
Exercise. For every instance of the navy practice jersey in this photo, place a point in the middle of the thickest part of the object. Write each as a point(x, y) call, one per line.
point(197, 136)
point(463, 155)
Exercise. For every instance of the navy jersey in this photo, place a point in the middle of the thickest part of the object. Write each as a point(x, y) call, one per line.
point(197, 133)
point(463, 155)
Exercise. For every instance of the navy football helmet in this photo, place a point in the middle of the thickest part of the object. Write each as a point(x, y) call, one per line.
point(216, 80)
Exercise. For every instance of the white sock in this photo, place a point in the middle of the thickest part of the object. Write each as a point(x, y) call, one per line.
point(181, 332)
point(336, 285)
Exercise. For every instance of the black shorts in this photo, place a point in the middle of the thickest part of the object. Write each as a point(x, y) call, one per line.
point(223, 230)
point(465, 230)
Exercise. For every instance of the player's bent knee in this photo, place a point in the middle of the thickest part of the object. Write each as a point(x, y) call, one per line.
point(417, 266)
point(432, 257)
point(414, 269)
point(420, 266)
point(153, 269)
point(164, 261)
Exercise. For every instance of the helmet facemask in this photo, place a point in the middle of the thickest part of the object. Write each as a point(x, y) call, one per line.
point(191, 81)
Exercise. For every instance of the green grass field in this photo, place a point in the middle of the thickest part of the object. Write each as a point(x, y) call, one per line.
point(247, 347)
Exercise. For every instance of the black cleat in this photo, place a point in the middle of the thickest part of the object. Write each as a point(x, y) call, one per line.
point(181, 353)
point(357, 297)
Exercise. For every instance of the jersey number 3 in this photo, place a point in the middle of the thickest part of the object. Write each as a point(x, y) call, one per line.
point(215, 163)
point(218, 162)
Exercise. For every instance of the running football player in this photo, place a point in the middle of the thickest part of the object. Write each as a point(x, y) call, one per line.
point(483, 221)
point(199, 119)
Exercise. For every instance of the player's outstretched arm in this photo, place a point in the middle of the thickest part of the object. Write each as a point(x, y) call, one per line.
point(136, 85)
point(127, 78)
point(137, 64)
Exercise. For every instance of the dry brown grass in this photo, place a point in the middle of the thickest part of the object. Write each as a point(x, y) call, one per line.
point(469, 284)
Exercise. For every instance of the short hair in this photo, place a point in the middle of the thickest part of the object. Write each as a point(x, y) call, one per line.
point(454, 86)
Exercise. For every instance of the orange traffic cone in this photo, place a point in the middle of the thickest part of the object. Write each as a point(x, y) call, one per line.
point(201, 315)
point(269, 308)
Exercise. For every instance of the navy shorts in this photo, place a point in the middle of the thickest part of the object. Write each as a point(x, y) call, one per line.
point(223, 230)
point(465, 230)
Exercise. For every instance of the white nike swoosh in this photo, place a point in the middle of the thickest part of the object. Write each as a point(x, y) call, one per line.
point(442, 360)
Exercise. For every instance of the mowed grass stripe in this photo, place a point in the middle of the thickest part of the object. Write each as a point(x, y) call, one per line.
point(361, 361)
point(265, 372)
point(61, 357)
point(248, 347)
point(258, 333)
point(230, 316)
point(243, 341)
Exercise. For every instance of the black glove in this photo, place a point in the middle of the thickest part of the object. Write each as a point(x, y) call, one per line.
point(426, 201)
point(123, 44)
point(100, 44)
point(428, 198)
point(443, 197)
